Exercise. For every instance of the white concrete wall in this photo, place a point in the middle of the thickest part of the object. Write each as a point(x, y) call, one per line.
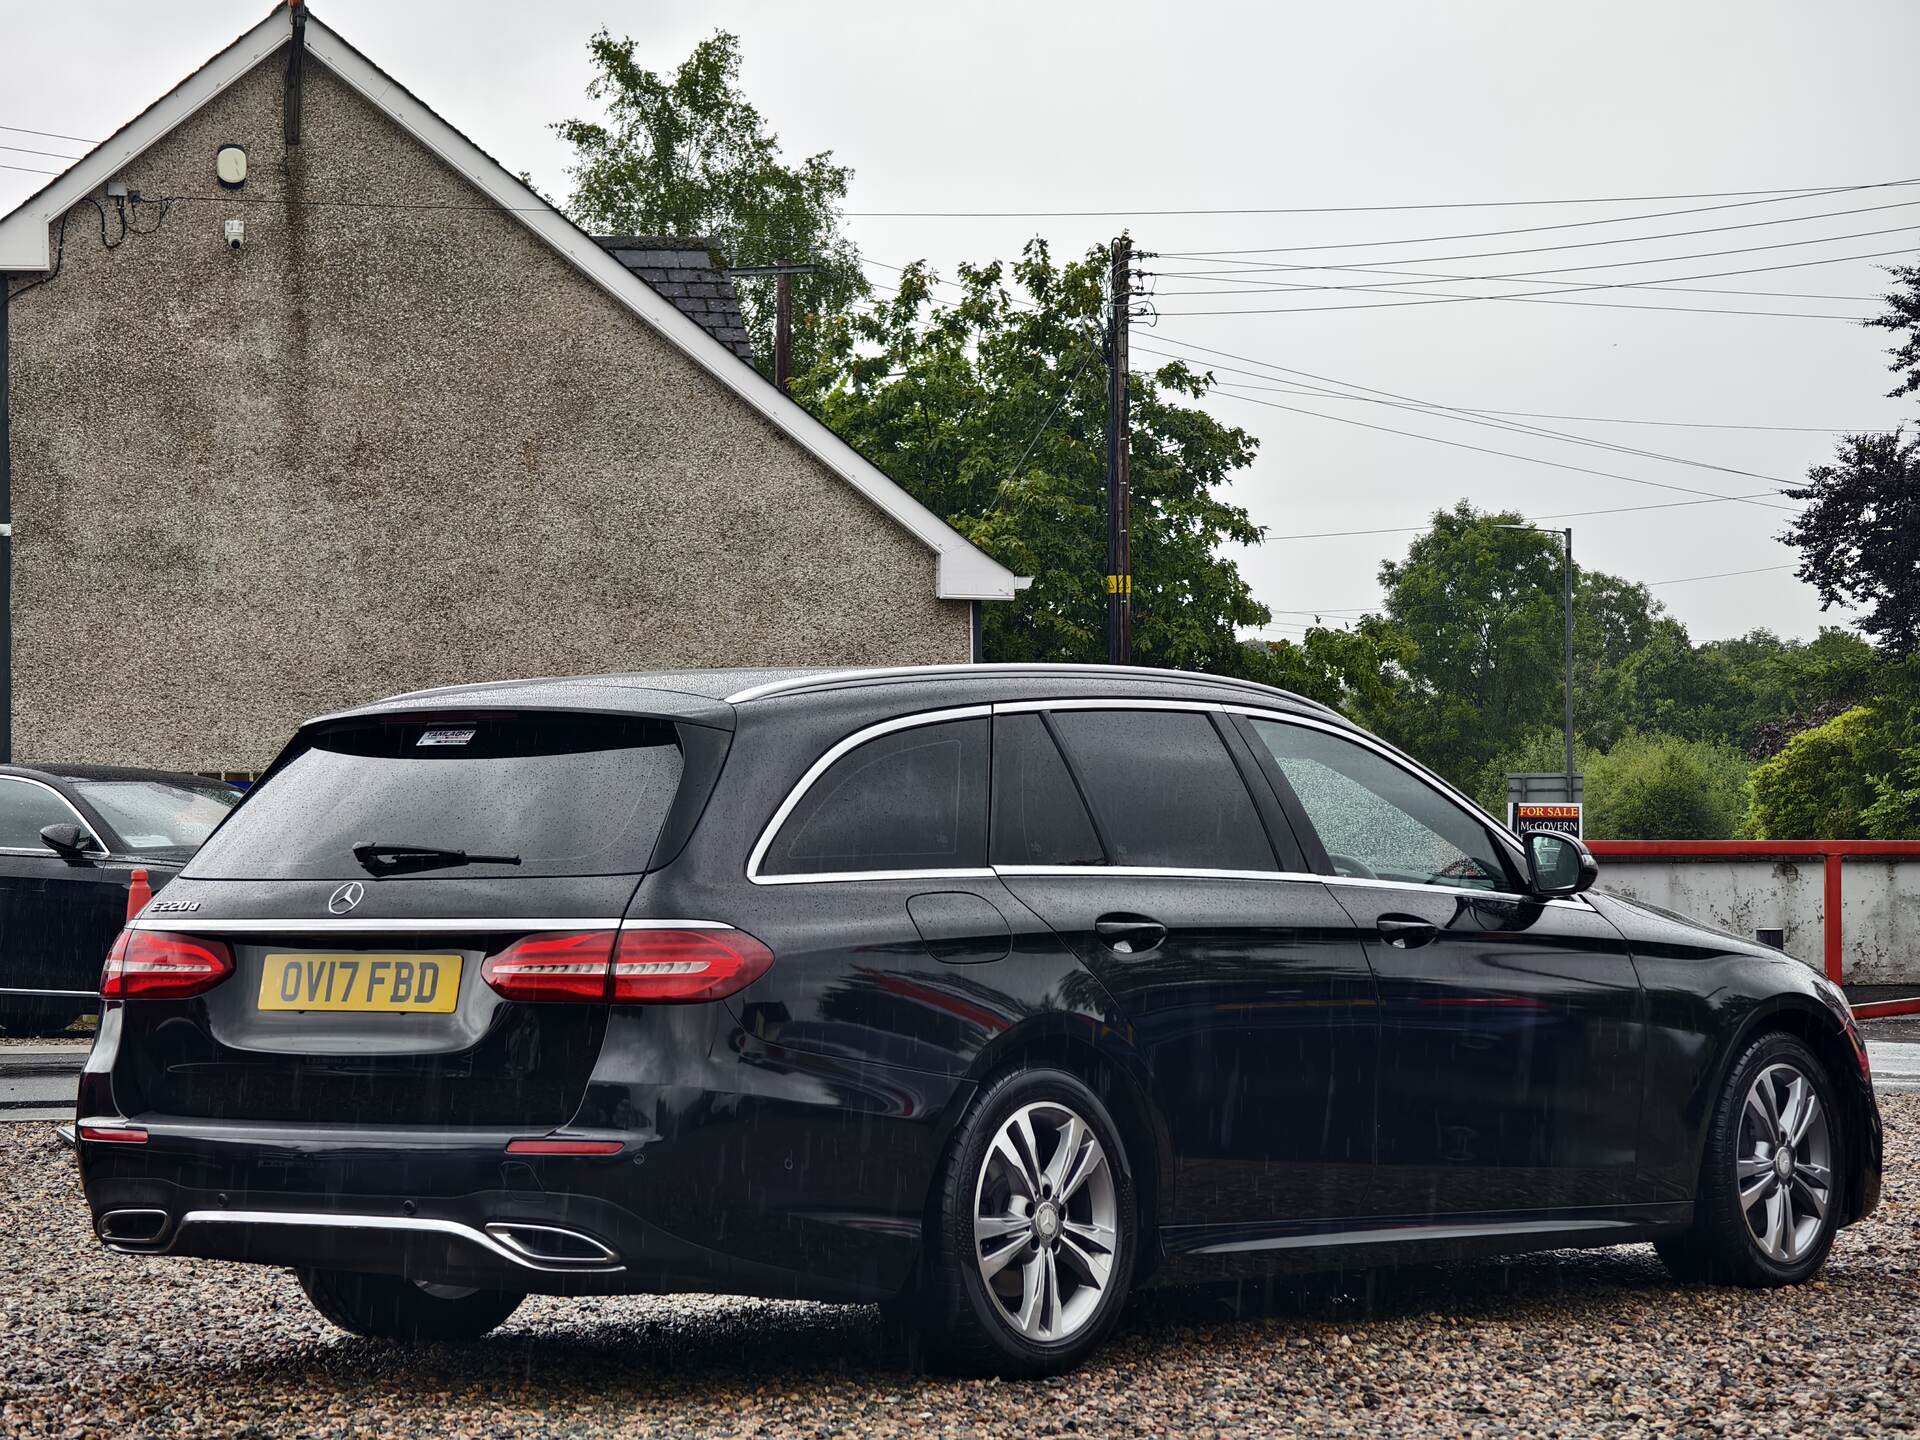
point(1879, 905)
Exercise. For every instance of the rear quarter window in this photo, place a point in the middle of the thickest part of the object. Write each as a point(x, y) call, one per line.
point(566, 794)
point(912, 799)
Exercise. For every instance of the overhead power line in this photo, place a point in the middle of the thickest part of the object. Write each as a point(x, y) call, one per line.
point(1531, 300)
point(1313, 392)
point(1778, 199)
point(1616, 240)
point(1791, 190)
point(1724, 574)
point(1538, 299)
point(1556, 515)
point(1690, 424)
point(29, 169)
point(1507, 454)
point(48, 134)
point(1234, 285)
point(50, 154)
point(1451, 412)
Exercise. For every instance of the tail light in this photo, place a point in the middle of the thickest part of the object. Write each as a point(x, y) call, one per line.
point(656, 967)
point(630, 967)
point(552, 967)
point(154, 965)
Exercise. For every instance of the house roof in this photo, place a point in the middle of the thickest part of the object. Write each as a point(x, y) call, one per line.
point(962, 572)
point(682, 270)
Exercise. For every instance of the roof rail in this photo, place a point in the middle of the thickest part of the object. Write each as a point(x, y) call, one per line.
point(822, 679)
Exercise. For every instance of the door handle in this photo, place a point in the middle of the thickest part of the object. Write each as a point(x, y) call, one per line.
point(1406, 932)
point(1129, 934)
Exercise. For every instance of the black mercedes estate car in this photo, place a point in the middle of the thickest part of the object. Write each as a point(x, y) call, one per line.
point(989, 993)
point(72, 838)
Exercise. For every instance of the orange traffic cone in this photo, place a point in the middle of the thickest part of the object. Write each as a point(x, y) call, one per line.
point(139, 892)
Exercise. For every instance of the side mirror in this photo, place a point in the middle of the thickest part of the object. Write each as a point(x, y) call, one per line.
point(68, 841)
point(1558, 864)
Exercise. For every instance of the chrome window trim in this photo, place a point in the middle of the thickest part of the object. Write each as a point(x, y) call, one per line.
point(820, 767)
point(1428, 888)
point(838, 877)
point(1172, 872)
point(1155, 872)
point(1017, 707)
point(68, 805)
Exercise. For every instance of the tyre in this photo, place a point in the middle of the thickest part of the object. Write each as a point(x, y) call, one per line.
point(1768, 1202)
point(388, 1307)
point(1030, 1249)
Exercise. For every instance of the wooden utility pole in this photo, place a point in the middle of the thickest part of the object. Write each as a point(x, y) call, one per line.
point(782, 312)
point(1119, 461)
point(783, 329)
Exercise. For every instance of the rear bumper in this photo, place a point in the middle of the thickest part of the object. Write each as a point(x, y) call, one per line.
point(460, 1214)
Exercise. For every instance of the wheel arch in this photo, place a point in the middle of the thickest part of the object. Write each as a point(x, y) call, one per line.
point(1821, 1031)
point(1102, 1060)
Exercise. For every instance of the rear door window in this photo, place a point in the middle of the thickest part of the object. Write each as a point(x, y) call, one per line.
point(561, 794)
point(912, 799)
point(1038, 816)
point(1164, 790)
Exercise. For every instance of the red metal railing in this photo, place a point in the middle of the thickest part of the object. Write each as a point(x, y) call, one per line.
point(1833, 853)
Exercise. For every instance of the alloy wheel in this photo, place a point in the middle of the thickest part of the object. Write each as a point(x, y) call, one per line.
point(1045, 1214)
point(1784, 1168)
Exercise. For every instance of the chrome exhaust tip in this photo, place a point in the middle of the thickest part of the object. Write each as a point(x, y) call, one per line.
point(553, 1245)
point(133, 1229)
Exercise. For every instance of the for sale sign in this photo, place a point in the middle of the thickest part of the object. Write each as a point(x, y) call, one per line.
point(1525, 815)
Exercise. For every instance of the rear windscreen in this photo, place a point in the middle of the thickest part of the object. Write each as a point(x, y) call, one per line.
point(521, 795)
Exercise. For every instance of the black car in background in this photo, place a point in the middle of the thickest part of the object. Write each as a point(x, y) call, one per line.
point(989, 993)
point(71, 837)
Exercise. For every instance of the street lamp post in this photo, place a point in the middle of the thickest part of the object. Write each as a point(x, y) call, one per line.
point(1566, 537)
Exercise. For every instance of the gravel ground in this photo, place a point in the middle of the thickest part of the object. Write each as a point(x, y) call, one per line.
point(1600, 1343)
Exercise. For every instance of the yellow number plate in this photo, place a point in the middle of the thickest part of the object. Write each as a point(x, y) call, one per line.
point(407, 984)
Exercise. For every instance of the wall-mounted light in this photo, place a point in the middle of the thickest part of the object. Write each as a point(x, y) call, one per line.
point(230, 166)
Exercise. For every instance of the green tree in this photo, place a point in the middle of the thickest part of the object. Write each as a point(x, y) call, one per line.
point(1672, 687)
point(1478, 609)
point(1663, 787)
point(1775, 688)
point(1859, 535)
point(990, 408)
point(1903, 317)
point(1823, 781)
point(1355, 671)
point(688, 155)
point(1614, 623)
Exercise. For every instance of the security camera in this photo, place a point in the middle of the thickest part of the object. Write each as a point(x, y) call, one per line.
point(236, 234)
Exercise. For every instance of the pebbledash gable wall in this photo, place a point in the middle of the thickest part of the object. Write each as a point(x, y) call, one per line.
point(395, 441)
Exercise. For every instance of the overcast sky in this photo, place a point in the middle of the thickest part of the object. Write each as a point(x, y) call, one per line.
point(1130, 107)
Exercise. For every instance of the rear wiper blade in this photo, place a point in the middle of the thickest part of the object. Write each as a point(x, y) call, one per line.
point(394, 859)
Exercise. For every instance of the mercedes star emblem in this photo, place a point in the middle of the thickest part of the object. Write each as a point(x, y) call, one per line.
point(346, 897)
